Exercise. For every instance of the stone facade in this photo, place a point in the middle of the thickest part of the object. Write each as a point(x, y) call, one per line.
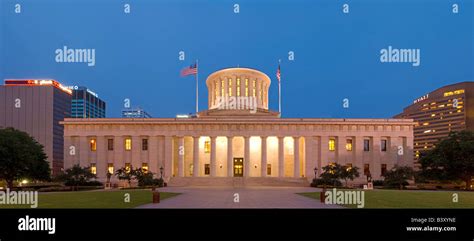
point(230, 143)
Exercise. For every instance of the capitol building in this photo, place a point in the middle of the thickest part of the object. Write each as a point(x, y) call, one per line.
point(238, 138)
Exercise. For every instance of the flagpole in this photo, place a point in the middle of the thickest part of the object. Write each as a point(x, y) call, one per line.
point(279, 88)
point(197, 87)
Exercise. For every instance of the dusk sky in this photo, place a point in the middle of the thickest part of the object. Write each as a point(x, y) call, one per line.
point(336, 55)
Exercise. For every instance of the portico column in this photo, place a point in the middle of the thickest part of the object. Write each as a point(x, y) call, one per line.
point(264, 157)
point(247, 156)
point(281, 157)
point(296, 164)
point(180, 156)
point(230, 163)
point(168, 148)
point(213, 156)
point(195, 156)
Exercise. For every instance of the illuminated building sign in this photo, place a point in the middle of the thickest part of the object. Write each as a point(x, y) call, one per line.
point(38, 83)
point(75, 87)
point(424, 97)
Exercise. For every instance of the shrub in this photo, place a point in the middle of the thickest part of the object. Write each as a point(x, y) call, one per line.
point(325, 182)
point(378, 182)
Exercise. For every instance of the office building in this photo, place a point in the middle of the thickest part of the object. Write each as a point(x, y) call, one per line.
point(86, 103)
point(37, 107)
point(436, 114)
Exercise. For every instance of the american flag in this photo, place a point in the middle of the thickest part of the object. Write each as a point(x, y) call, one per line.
point(191, 70)
point(278, 74)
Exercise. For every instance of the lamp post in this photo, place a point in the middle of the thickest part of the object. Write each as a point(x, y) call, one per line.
point(315, 172)
point(161, 172)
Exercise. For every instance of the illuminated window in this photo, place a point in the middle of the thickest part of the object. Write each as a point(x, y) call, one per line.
point(110, 168)
point(238, 87)
point(128, 144)
point(433, 115)
point(254, 89)
point(349, 145)
point(93, 145)
point(246, 87)
point(366, 145)
point(207, 147)
point(145, 167)
point(110, 144)
point(144, 144)
point(230, 87)
point(366, 169)
point(383, 169)
point(222, 88)
point(383, 145)
point(93, 169)
point(426, 123)
point(332, 144)
point(128, 167)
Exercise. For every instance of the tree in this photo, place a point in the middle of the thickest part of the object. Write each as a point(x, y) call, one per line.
point(398, 176)
point(452, 159)
point(77, 176)
point(21, 157)
point(125, 173)
point(349, 173)
point(334, 171)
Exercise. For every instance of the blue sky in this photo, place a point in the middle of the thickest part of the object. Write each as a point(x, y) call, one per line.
point(337, 55)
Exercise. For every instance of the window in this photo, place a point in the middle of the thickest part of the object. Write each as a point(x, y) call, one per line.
point(366, 145)
point(128, 144)
point(93, 169)
point(145, 167)
point(110, 168)
point(366, 169)
point(128, 167)
point(238, 87)
point(110, 144)
point(230, 87)
point(383, 169)
point(207, 147)
point(216, 89)
point(332, 144)
point(93, 145)
point(207, 169)
point(254, 89)
point(383, 145)
point(269, 169)
point(222, 88)
point(144, 144)
point(349, 145)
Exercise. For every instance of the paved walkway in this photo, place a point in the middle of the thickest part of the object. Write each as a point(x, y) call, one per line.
point(249, 197)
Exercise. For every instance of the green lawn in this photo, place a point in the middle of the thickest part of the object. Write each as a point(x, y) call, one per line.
point(94, 199)
point(411, 199)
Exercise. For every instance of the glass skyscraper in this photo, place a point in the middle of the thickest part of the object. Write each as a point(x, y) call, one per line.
point(86, 104)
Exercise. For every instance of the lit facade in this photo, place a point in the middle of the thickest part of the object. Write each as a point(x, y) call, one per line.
point(224, 143)
point(436, 114)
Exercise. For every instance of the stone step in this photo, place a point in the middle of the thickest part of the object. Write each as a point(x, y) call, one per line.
point(237, 181)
